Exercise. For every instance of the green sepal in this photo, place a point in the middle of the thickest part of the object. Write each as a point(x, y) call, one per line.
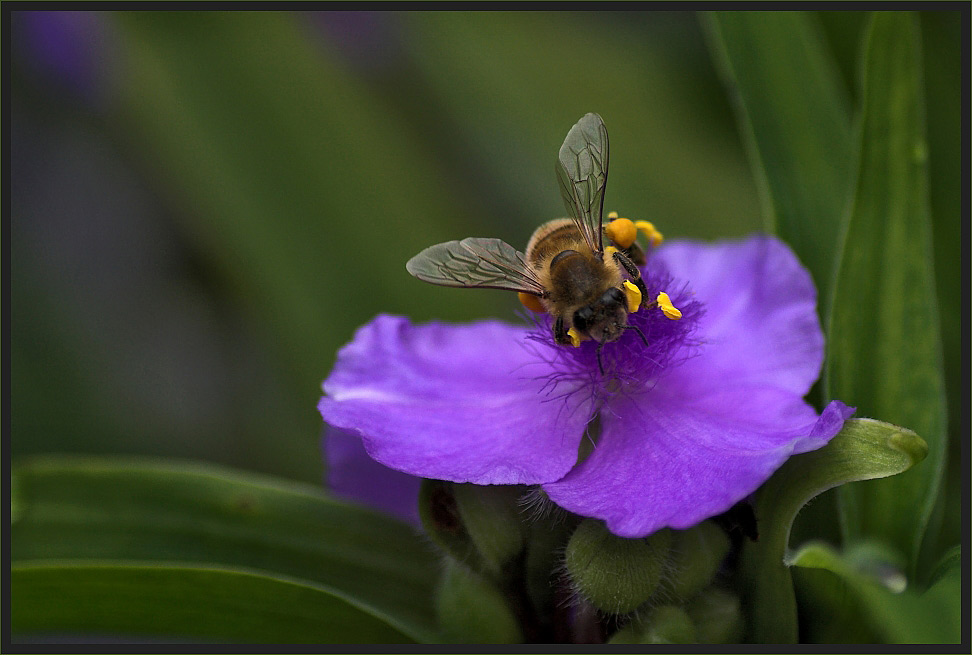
point(472, 610)
point(615, 574)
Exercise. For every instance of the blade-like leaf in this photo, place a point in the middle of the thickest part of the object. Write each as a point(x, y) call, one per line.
point(290, 178)
point(910, 617)
point(863, 450)
point(795, 118)
point(151, 512)
point(184, 602)
point(885, 352)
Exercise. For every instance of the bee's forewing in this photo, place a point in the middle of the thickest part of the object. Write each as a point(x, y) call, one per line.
point(582, 170)
point(477, 263)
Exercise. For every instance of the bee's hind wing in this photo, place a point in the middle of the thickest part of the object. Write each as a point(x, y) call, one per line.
point(476, 263)
point(582, 170)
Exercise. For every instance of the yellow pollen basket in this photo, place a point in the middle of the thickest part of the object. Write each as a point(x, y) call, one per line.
point(668, 309)
point(622, 231)
point(648, 228)
point(633, 296)
point(575, 337)
point(530, 301)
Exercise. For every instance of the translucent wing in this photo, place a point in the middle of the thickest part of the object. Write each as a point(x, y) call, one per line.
point(582, 170)
point(476, 263)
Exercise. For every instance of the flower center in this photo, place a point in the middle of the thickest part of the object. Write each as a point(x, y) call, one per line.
point(653, 340)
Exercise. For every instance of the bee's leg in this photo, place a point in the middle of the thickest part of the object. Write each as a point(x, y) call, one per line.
point(560, 332)
point(635, 253)
point(635, 274)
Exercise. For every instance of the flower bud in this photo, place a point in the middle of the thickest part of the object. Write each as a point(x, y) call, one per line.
point(696, 556)
point(491, 518)
point(477, 525)
point(442, 522)
point(472, 610)
point(717, 616)
point(615, 574)
point(666, 624)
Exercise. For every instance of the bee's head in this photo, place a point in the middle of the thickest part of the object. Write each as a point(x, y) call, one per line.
point(604, 319)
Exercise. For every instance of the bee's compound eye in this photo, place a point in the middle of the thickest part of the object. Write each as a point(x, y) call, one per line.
point(613, 296)
point(582, 318)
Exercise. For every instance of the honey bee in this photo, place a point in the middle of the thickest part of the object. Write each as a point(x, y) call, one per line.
point(587, 288)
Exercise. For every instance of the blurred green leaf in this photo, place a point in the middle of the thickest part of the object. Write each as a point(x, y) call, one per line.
point(885, 354)
point(909, 617)
point(952, 559)
point(305, 196)
point(864, 449)
point(794, 112)
point(149, 512)
point(512, 83)
point(188, 602)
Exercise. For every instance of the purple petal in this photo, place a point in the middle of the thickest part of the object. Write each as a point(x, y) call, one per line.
point(353, 475)
point(760, 324)
point(464, 403)
point(666, 460)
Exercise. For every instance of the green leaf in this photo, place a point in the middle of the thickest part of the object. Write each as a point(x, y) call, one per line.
point(952, 559)
point(511, 83)
point(795, 118)
point(150, 512)
point(303, 193)
point(908, 616)
point(167, 601)
point(885, 354)
point(864, 449)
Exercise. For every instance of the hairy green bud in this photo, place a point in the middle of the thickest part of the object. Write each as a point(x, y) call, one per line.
point(615, 574)
point(491, 517)
point(696, 556)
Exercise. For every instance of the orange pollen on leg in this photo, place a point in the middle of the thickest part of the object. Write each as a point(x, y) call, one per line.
point(530, 301)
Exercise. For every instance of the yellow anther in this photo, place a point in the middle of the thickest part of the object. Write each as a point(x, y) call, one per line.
point(609, 251)
point(612, 215)
point(633, 294)
point(668, 309)
point(621, 231)
point(575, 337)
point(530, 301)
point(653, 235)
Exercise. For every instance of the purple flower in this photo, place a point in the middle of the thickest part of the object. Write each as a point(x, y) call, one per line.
point(691, 422)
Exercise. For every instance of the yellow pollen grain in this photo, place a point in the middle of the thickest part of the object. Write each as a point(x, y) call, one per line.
point(530, 301)
point(668, 309)
point(633, 295)
point(648, 228)
point(622, 231)
point(575, 337)
point(612, 215)
point(609, 251)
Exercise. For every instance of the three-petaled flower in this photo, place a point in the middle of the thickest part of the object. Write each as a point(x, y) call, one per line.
point(693, 418)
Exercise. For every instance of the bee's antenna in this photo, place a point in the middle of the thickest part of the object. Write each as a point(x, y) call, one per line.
point(600, 366)
point(637, 329)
